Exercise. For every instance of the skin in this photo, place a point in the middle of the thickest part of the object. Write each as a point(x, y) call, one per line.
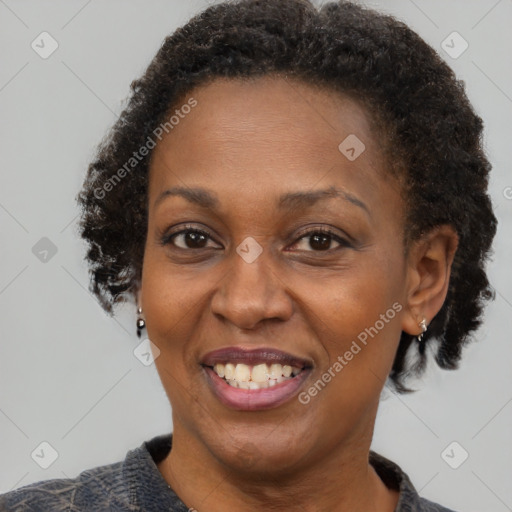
point(249, 142)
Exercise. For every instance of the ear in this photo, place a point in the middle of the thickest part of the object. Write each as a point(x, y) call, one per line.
point(429, 266)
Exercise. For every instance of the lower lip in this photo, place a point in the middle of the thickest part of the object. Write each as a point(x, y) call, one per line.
point(255, 399)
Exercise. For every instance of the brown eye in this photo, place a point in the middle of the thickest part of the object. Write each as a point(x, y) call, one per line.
point(191, 238)
point(321, 240)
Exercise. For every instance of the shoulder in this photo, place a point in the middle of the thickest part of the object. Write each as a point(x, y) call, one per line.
point(429, 506)
point(394, 477)
point(132, 485)
point(424, 505)
point(99, 488)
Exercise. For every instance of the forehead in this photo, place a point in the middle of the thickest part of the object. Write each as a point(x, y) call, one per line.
point(267, 134)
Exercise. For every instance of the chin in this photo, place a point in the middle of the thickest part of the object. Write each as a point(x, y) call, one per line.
point(265, 452)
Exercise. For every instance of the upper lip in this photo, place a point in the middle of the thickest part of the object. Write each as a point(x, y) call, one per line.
point(254, 356)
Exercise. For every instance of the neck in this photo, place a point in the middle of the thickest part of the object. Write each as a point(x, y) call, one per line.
point(342, 480)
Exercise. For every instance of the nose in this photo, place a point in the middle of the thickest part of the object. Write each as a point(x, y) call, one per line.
point(250, 293)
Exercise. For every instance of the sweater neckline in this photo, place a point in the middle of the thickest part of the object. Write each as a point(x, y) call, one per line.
point(153, 451)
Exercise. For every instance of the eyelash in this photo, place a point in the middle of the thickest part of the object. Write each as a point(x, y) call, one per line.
point(167, 239)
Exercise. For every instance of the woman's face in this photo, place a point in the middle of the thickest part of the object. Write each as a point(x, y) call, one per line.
point(245, 181)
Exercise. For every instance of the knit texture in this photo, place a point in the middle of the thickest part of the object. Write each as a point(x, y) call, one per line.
point(136, 485)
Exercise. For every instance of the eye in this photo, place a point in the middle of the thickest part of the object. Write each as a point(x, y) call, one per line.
point(320, 239)
point(188, 238)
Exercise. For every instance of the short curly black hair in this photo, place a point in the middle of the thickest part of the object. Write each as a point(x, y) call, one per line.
point(424, 114)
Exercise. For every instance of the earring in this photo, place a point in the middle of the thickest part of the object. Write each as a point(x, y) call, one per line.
point(423, 325)
point(141, 324)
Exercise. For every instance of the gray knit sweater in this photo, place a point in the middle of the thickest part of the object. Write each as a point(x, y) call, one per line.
point(136, 484)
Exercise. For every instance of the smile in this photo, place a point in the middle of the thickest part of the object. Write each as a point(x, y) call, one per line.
point(254, 379)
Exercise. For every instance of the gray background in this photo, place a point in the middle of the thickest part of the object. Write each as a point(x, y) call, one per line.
point(68, 375)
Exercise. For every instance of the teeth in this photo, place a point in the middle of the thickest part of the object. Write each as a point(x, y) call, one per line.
point(242, 373)
point(219, 370)
point(258, 377)
point(229, 371)
point(276, 370)
point(259, 373)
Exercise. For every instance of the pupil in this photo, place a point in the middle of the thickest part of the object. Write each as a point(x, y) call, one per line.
point(320, 242)
point(194, 239)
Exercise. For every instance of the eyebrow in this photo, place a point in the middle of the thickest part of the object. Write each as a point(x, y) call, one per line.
point(291, 201)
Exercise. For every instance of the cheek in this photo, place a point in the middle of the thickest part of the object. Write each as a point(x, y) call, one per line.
point(165, 299)
point(359, 318)
point(358, 328)
point(174, 298)
point(359, 346)
point(367, 316)
point(171, 301)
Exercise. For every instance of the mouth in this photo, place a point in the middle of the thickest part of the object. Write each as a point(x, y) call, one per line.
point(254, 379)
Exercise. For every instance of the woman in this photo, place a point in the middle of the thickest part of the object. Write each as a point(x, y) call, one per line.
point(296, 199)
